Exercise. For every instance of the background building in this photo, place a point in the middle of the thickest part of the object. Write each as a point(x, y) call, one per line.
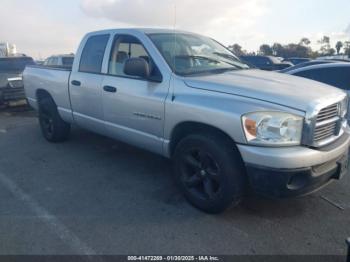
point(7, 49)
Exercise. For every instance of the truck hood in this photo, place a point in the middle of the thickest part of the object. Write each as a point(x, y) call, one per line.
point(286, 90)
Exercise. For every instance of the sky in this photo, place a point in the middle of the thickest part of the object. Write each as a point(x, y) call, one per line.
point(41, 28)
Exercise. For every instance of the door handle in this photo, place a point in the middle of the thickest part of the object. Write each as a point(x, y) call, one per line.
point(110, 89)
point(76, 83)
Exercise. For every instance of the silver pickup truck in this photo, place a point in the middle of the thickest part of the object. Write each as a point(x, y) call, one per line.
point(228, 128)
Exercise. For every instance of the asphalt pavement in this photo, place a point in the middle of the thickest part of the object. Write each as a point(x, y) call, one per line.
point(93, 195)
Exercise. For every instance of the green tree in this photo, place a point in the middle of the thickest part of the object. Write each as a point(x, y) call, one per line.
point(331, 51)
point(325, 45)
point(339, 45)
point(347, 48)
point(325, 40)
point(266, 49)
point(296, 50)
point(277, 49)
point(236, 49)
point(291, 50)
point(305, 41)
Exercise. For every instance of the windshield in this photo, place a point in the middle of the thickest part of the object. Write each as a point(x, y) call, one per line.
point(15, 64)
point(189, 54)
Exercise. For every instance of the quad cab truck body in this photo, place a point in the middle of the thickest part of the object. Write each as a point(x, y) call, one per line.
point(228, 128)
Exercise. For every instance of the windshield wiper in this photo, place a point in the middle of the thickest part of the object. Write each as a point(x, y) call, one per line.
point(223, 70)
point(226, 56)
point(233, 59)
point(210, 71)
point(199, 57)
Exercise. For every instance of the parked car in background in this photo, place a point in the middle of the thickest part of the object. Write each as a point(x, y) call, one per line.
point(335, 74)
point(11, 84)
point(227, 128)
point(340, 58)
point(60, 61)
point(269, 63)
point(311, 63)
point(296, 60)
point(39, 62)
point(7, 49)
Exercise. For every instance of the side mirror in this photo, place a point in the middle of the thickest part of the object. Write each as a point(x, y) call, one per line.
point(137, 67)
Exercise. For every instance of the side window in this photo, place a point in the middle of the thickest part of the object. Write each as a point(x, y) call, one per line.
point(50, 61)
point(54, 61)
point(265, 61)
point(92, 55)
point(259, 60)
point(126, 47)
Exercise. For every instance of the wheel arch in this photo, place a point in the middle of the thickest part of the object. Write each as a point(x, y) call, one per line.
point(184, 129)
point(40, 94)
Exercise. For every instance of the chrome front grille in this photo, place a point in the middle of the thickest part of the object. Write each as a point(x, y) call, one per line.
point(327, 123)
point(325, 132)
point(328, 113)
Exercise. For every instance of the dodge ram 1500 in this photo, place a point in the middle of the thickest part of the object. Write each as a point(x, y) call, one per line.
point(228, 128)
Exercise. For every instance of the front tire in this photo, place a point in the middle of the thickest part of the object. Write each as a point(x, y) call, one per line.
point(53, 128)
point(210, 172)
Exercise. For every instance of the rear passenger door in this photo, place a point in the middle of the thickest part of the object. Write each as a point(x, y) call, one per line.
point(133, 107)
point(86, 84)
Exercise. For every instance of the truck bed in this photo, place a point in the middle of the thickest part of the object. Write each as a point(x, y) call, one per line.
point(53, 80)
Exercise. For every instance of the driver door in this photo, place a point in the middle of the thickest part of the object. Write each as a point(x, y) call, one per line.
point(133, 107)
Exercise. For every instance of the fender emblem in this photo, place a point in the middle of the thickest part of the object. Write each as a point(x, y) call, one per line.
point(143, 115)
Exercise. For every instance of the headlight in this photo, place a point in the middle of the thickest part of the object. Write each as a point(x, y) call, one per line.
point(273, 128)
point(344, 107)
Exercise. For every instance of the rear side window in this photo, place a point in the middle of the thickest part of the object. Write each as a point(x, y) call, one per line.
point(92, 55)
point(335, 76)
point(54, 61)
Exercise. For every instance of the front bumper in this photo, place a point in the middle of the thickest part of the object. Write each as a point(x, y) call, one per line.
point(284, 172)
point(295, 182)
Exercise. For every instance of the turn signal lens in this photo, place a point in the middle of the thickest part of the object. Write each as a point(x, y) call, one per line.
point(250, 126)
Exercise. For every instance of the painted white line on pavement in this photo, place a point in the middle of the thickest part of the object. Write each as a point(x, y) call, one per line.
point(3, 131)
point(52, 221)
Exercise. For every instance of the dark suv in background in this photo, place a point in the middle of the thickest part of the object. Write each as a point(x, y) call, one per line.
point(11, 84)
point(269, 63)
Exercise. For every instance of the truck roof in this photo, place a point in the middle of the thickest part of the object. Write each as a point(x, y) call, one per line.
point(140, 30)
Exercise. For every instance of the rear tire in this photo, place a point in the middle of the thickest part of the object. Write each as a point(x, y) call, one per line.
point(53, 128)
point(210, 172)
